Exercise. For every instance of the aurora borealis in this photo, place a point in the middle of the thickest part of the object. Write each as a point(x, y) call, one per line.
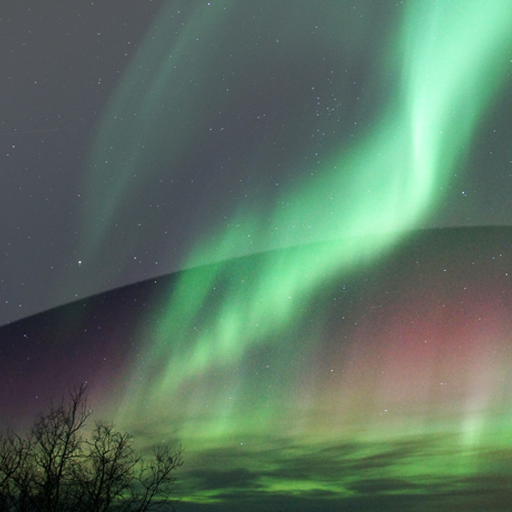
point(391, 392)
point(318, 348)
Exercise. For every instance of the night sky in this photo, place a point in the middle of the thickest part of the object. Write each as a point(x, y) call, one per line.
point(274, 231)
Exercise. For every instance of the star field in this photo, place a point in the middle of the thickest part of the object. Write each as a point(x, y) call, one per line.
point(276, 233)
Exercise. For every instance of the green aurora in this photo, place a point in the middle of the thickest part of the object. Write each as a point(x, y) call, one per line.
point(234, 362)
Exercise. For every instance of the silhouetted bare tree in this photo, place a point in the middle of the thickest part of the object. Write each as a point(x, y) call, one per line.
point(56, 469)
point(109, 471)
point(155, 478)
point(15, 480)
point(57, 451)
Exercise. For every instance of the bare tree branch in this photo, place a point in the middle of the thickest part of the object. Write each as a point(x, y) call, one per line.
point(56, 469)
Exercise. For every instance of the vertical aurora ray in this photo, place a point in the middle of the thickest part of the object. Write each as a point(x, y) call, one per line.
point(451, 61)
point(143, 131)
point(403, 381)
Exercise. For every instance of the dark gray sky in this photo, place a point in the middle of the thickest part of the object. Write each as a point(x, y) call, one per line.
point(268, 97)
point(60, 62)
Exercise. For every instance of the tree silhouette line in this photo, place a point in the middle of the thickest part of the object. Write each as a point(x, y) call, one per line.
point(56, 468)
